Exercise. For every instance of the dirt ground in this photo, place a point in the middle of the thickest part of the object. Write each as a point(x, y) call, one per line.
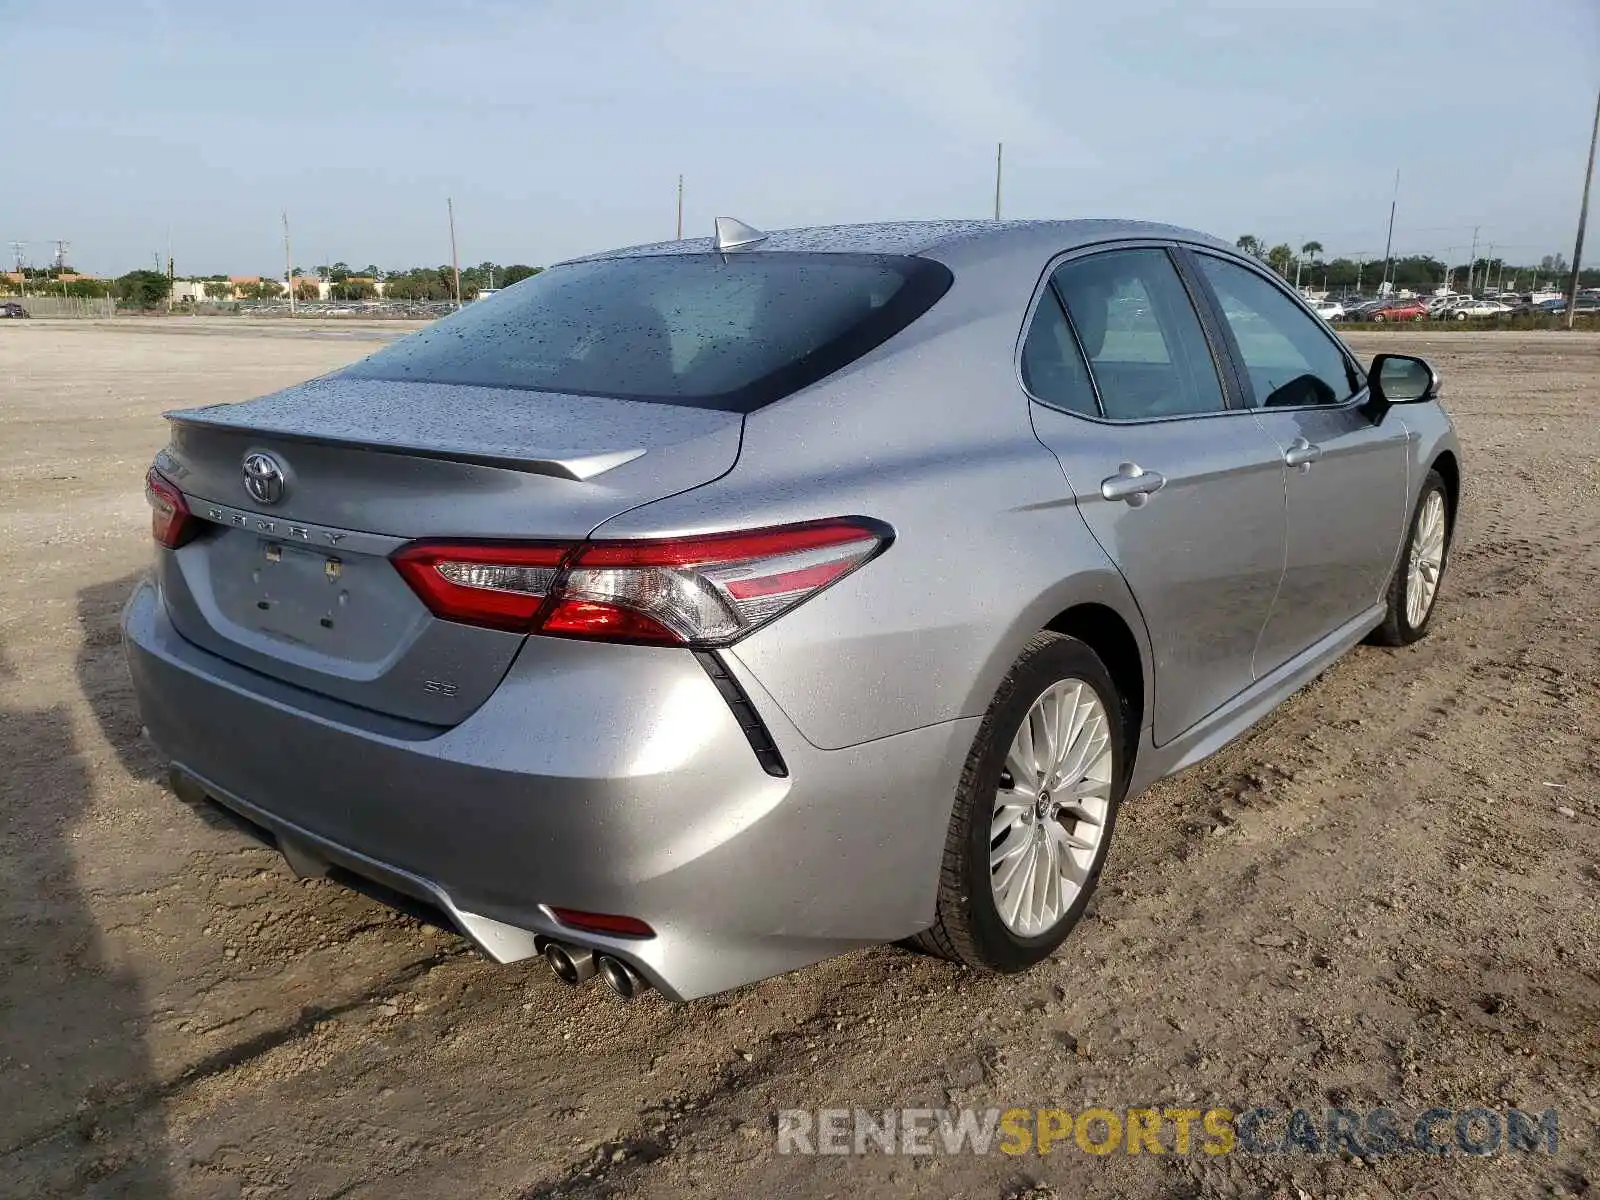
point(1384, 895)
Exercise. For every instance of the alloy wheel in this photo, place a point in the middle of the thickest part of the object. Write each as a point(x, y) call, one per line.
point(1051, 808)
point(1427, 560)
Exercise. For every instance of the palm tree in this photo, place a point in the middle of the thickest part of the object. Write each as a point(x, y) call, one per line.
point(1250, 244)
point(1310, 250)
point(1279, 257)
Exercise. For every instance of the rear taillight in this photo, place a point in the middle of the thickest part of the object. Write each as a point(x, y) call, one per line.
point(171, 523)
point(482, 583)
point(699, 591)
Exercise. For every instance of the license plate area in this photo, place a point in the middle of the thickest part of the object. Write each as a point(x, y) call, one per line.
point(305, 596)
point(344, 605)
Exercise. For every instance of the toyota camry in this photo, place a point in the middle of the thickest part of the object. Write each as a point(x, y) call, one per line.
point(689, 613)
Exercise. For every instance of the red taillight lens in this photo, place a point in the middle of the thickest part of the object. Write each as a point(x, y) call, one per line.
point(171, 523)
point(699, 591)
point(603, 923)
point(481, 583)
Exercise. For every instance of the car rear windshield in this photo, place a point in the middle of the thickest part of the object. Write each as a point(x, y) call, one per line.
point(731, 332)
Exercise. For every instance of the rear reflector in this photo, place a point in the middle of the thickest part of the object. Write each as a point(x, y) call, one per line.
point(171, 523)
point(603, 923)
point(702, 591)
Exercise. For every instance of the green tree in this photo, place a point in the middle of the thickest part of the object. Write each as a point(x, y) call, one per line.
point(1281, 258)
point(516, 273)
point(1250, 244)
point(143, 289)
point(352, 289)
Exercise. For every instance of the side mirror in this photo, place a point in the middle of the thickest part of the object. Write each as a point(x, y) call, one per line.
point(1402, 379)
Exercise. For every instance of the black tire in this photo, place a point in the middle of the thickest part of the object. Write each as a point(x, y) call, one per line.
point(968, 928)
point(1379, 318)
point(1396, 629)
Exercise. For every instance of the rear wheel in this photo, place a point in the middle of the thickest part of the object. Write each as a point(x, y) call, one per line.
point(1379, 318)
point(1034, 813)
point(1415, 585)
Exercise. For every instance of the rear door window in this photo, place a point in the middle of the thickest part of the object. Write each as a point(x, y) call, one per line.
point(1143, 339)
point(729, 332)
point(1053, 369)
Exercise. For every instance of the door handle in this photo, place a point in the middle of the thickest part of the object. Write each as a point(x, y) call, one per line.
point(1133, 484)
point(1302, 453)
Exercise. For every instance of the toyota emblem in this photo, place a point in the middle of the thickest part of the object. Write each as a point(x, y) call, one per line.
point(263, 478)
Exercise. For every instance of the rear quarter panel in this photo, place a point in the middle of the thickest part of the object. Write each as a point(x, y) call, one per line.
point(930, 434)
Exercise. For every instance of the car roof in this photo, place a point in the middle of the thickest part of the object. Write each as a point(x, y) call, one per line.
point(932, 238)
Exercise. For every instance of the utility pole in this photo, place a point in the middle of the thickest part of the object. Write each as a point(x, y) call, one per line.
point(288, 262)
point(1583, 219)
point(455, 261)
point(1472, 263)
point(999, 154)
point(1361, 262)
point(61, 265)
point(1388, 246)
point(680, 208)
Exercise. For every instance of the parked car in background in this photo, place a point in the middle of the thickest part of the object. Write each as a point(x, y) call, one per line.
point(1399, 310)
point(1467, 308)
point(1585, 306)
point(1360, 310)
point(1538, 308)
point(676, 615)
point(1328, 310)
point(12, 310)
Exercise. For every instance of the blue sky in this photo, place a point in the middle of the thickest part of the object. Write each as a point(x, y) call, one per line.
point(561, 128)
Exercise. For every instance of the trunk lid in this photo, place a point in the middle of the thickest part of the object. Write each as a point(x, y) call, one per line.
point(294, 580)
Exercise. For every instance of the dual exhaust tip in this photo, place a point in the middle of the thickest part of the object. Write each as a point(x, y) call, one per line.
point(574, 965)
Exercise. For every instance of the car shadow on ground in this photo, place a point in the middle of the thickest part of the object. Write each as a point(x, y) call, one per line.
point(104, 682)
point(103, 678)
point(81, 1115)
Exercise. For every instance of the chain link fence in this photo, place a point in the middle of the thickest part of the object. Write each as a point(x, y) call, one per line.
point(82, 307)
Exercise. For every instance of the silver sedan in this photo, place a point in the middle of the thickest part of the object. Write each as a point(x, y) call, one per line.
point(692, 612)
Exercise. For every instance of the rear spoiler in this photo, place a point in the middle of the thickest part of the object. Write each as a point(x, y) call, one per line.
point(578, 467)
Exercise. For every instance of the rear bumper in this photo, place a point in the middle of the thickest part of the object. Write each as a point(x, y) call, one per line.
point(597, 777)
